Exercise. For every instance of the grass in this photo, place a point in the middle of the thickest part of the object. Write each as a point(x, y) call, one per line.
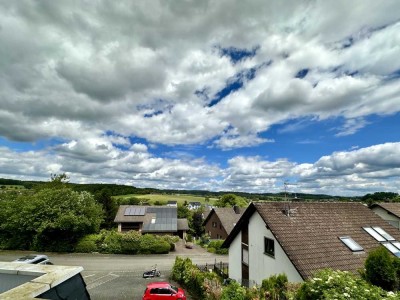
point(11, 187)
point(180, 198)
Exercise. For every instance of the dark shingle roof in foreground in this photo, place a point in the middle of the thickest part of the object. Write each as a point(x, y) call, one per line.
point(310, 234)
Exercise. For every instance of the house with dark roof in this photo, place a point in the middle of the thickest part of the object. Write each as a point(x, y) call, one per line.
point(301, 238)
point(390, 212)
point(221, 220)
point(151, 219)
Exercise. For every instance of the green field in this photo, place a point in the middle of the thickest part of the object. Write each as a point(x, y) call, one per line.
point(180, 198)
point(11, 187)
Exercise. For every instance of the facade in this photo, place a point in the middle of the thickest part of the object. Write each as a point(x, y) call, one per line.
point(390, 212)
point(151, 219)
point(301, 238)
point(31, 281)
point(221, 220)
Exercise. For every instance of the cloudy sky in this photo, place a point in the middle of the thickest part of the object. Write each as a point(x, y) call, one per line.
point(211, 95)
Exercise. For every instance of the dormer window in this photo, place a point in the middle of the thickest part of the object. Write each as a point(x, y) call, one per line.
point(351, 244)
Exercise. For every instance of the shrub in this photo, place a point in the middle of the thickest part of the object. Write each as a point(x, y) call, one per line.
point(111, 242)
point(234, 291)
point(329, 284)
point(380, 269)
point(275, 287)
point(88, 243)
point(130, 242)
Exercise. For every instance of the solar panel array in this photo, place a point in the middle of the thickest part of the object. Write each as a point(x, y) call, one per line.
point(166, 219)
point(135, 211)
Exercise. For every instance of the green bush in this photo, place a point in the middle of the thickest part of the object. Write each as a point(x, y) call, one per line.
point(196, 282)
point(111, 242)
point(275, 287)
point(88, 243)
point(234, 291)
point(380, 269)
point(328, 284)
point(130, 242)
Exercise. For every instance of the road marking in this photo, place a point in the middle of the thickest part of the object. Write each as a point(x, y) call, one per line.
point(101, 280)
point(89, 275)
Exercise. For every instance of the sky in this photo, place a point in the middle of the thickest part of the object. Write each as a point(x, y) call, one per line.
point(238, 96)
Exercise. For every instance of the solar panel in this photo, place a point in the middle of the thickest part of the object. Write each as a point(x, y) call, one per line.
point(135, 211)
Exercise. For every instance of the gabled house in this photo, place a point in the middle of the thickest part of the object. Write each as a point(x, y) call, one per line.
point(221, 220)
point(301, 238)
point(151, 219)
point(390, 212)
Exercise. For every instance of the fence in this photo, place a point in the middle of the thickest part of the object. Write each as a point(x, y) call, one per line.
point(221, 268)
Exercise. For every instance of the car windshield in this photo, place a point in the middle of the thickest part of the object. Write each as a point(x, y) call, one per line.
point(174, 288)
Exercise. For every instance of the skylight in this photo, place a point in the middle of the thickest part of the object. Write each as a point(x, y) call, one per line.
point(396, 244)
point(352, 244)
point(374, 234)
point(383, 233)
point(392, 249)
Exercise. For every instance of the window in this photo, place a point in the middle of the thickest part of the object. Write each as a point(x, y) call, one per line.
point(245, 256)
point(214, 224)
point(374, 234)
point(379, 234)
point(383, 233)
point(153, 220)
point(392, 249)
point(349, 242)
point(269, 247)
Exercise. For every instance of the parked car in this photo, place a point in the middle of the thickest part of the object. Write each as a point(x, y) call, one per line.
point(163, 290)
point(37, 259)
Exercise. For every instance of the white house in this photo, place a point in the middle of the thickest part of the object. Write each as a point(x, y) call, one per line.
point(390, 212)
point(301, 238)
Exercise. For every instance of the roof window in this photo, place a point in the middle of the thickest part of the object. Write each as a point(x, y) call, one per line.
point(383, 233)
point(352, 244)
point(374, 234)
point(392, 249)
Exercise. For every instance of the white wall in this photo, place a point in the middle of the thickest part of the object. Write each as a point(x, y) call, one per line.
point(393, 220)
point(235, 258)
point(261, 265)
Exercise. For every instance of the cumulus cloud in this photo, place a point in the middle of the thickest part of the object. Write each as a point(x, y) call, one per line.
point(96, 76)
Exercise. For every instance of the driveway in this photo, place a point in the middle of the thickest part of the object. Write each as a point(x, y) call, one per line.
point(113, 276)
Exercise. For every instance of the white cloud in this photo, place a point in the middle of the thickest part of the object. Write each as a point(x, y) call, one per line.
point(95, 76)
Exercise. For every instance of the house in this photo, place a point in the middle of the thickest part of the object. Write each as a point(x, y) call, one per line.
point(151, 219)
point(172, 203)
point(194, 205)
point(301, 238)
point(221, 220)
point(36, 281)
point(390, 212)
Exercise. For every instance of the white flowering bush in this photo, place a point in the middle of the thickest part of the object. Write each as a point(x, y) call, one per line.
point(341, 285)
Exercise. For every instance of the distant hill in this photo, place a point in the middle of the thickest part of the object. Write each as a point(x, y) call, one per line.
point(117, 190)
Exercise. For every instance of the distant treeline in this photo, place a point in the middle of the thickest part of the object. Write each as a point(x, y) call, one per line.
point(116, 189)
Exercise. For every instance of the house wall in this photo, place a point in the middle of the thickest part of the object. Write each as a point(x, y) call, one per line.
point(393, 220)
point(261, 265)
point(218, 232)
point(235, 258)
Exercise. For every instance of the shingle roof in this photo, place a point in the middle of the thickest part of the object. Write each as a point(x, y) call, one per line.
point(227, 216)
point(121, 218)
point(310, 235)
point(393, 208)
point(183, 224)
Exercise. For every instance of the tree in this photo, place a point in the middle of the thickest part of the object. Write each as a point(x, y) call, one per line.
point(230, 200)
point(48, 220)
point(103, 197)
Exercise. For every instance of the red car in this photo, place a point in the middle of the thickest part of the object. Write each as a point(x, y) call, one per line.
point(163, 290)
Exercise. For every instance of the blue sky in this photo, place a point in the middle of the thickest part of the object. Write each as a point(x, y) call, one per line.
point(210, 95)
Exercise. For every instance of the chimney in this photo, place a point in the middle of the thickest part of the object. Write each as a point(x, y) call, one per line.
point(236, 209)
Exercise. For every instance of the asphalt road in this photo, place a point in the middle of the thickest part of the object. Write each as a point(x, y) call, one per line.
point(110, 276)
